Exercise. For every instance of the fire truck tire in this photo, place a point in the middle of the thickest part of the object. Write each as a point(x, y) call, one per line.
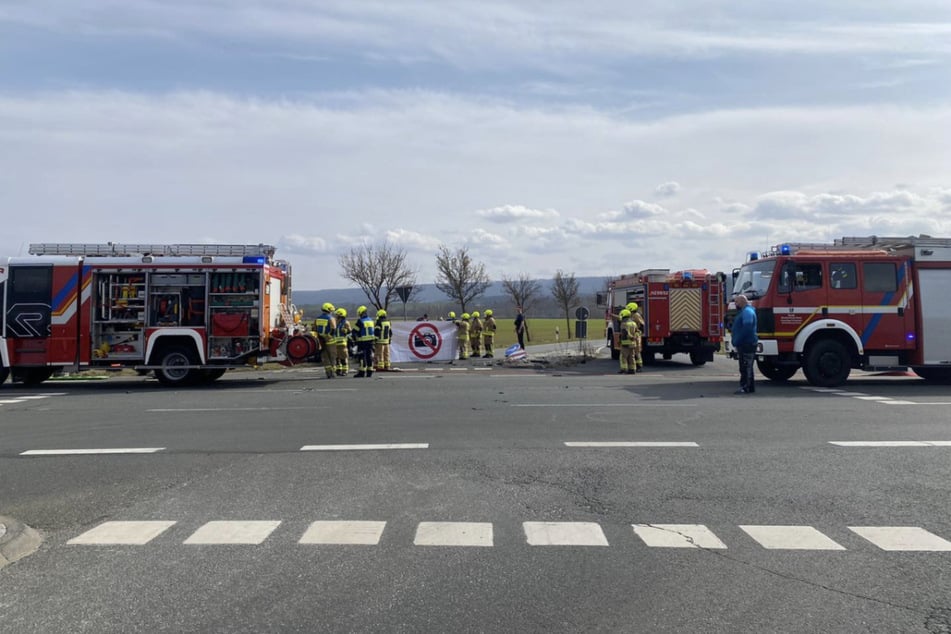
point(827, 363)
point(172, 373)
point(210, 376)
point(940, 376)
point(697, 359)
point(777, 373)
point(4, 373)
point(33, 376)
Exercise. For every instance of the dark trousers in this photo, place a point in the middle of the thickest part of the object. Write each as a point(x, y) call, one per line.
point(365, 352)
point(521, 339)
point(747, 357)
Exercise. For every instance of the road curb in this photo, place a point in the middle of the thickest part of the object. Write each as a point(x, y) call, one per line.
point(17, 540)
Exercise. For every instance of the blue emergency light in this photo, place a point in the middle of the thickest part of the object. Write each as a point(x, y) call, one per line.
point(785, 249)
point(254, 259)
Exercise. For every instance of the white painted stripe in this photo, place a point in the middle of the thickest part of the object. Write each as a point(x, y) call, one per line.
point(594, 405)
point(406, 445)
point(90, 452)
point(458, 369)
point(891, 443)
point(122, 533)
point(12, 401)
point(482, 369)
point(34, 398)
point(913, 403)
point(453, 534)
point(873, 398)
point(631, 444)
point(677, 536)
point(899, 403)
point(343, 532)
point(906, 538)
point(236, 409)
point(824, 390)
point(232, 532)
point(853, 394)
point(790, 538)
point(564, 534)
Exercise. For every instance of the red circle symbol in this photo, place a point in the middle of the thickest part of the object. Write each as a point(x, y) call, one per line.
point(425, 341)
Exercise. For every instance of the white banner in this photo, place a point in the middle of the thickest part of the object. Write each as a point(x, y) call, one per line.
point(421, 341)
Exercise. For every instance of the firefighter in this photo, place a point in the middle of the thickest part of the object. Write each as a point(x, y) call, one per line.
point(627, 335)
point(462, 332)
point(364, 338)
point(341, 332)
point(452, 316)
point(324, 327)
point(638, 340)
point(475, 334)
point(384, 334)
point(488, 334)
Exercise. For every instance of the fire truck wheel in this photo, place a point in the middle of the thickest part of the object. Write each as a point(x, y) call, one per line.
point(697, 359)
point(827, 363)
point(172, 372)
point(210, 376)
point(33, 376)
point(4, 373)
point(777, 373)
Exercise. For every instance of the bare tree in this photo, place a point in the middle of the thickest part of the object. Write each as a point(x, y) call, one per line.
point(565, 291)
point(459, 277)
point(523, 290)
point(378, 270)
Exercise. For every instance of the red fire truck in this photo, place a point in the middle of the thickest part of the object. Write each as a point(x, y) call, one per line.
point(682, 311)
point(870, 303)
point(188, 312)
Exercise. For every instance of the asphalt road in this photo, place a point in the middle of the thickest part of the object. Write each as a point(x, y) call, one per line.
point(487, 510)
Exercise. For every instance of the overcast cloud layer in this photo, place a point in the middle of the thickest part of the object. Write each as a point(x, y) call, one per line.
point(544, 136)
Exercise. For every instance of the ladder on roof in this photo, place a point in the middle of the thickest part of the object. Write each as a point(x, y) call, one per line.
point(116, 249)
point(879, 242)
point(715, 302)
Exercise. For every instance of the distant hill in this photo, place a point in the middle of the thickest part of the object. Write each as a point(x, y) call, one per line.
point(432, 301)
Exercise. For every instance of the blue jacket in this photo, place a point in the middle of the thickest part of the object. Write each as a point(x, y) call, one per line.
point(744, 328)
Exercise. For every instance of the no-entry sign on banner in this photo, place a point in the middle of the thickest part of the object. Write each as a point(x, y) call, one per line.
point(420, 341)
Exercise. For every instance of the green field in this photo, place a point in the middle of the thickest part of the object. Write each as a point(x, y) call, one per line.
point(542, 331)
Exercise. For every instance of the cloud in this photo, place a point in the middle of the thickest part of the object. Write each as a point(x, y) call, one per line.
point(668, 189)
point(412, 240)
point(515, 213)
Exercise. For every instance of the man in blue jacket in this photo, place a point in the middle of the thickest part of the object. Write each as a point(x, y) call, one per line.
point(744, 342)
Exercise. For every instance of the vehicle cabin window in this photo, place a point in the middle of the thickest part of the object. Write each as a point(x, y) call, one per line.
point(804, 276)
point(879, 277)
point(842, 275)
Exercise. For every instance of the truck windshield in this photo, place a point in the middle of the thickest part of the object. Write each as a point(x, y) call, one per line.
point(753, 279)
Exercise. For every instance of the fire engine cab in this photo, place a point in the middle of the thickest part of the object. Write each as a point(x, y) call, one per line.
point(682, 312)
point(871, 303)
point(188, 312)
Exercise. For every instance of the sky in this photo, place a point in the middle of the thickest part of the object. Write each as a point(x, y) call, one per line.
point(595, 138)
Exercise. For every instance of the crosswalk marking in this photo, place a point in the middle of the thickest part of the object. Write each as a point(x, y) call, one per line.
point(122, 533)
point(453, 534)
point(343, 532)
point(223, 532)
point(906, 538)
point(790, 538)
point(677, 536)
point(564, 534)
point(91, 452)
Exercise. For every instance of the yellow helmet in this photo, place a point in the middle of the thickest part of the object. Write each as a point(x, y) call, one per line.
point(625, 314)
point(381, 313)
point(465, 315)
point(475, 313)
point(488, 312)
point(327, 307)
point(631, 306)
point(341, 312)
point(452, 314)
point(362, 310)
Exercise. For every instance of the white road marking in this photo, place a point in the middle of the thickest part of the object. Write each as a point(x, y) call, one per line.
point(631, 444)
point(12, 401)
point(891, 443)
point(236, 409)
point(453, 534)
point(873, 398)
point(593, 405)
point(343, 532)
point(122, 533)
point(790, 538)
point(824, 390)
point(221, 532)
point(407, 445)
point(907, 538)
point(564, 534)
point(90, 452)
point(914, 403)
point(853, 394)
point(677, 536)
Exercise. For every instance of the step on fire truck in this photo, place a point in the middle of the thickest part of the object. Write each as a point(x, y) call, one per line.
point(682, 311)
point(188, 312)
point(869, 303)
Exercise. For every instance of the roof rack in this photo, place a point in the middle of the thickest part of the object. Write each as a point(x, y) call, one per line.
point(116, 249)
point(879, 242)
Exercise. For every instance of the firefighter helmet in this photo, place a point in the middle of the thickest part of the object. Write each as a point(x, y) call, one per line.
point(341, 312)
point(625, 314)
point(362, 310)
point(452, 314)
point(327, 307)
point(381, 313)
point(475, 313)
point(631, 306)
point(465, 316)
point(488, 312)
